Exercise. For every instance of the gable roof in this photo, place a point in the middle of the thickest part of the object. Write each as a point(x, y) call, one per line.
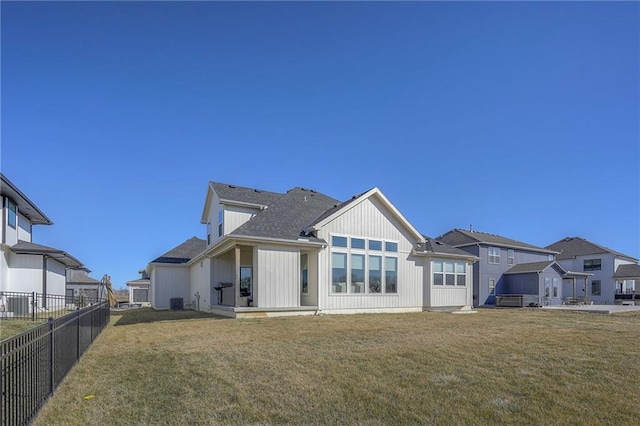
point(25, 206)
point(25, 247)
point(629, 271)
point(525, 268)
point(288, 216)
point(80, 278)
point(433, 246)
point(571, 247)
point(460, 238)
point(183, 252)
point(244, 195)
point(340, 208)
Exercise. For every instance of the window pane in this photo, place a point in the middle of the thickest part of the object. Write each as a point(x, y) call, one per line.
point(451, 279)
point(437, 266)
point(357, 243)
point(245, 281)
point(492, 286)
point(375, 274)
point(448, 266)
point(391, 275)
point(461, 280)
point(339, 241)
point(12, 214)
point(460, 267)
point(304, 273)
point(339, 272)
point(438, 279)
point(375, 245)
point(391, 246)
point(357, 273)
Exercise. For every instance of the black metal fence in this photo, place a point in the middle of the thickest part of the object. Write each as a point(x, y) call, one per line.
point(34, 362)
point(37, 306)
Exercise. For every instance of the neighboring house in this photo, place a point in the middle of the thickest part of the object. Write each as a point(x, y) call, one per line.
point(302, 252)
point(511, 267)
point(81, 285)
point(139, 290)
point(613, 273)
point(169, 278)
point(26, 266)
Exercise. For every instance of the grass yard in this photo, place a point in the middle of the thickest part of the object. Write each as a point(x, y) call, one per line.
point(11, 327)
point(515, 366)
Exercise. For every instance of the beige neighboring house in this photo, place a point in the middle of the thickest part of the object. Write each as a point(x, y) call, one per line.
point(80, 284)
point(139, 290)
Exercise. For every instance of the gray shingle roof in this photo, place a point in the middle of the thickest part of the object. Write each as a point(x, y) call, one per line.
point(25, 205)
point(80, 278)
point(184, 252)
point(523, 268)
point(571, 247)
point(461, 237)
point(629, 271)
point(245, 195)
point(438, 247)
point(337, 206)
point(288, 216)
point(25, 247)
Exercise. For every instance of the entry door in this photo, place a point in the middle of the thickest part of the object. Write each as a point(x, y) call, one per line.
point(246, 281)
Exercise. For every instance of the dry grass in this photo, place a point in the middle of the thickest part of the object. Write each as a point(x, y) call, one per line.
point(495, 367)
point(11, 327)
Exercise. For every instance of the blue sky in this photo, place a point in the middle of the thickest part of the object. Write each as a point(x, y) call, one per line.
point(521, 118)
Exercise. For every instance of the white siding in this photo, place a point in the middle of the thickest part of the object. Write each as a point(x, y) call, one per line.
point(200, 282)
point(24, 228)
point(223, 272)
point(278, 276)
point(25, 273)
point(311, 298)
point(447, 296)
point(56, 278)
point(235, 216)
point(371, 219)
point(4, 270)
point(169, 282)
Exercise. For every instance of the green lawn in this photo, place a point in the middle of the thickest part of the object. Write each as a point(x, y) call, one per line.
point(515, 366)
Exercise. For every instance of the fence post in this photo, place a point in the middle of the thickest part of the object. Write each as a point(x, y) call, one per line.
point(34, 305)
point(51, 357)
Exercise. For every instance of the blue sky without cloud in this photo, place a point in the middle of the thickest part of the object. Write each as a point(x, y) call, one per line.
point(521, 118)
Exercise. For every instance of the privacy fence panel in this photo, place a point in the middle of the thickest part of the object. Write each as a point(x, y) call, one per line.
point(34, 363)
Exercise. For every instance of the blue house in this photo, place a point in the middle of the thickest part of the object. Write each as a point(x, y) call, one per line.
point(508, 267)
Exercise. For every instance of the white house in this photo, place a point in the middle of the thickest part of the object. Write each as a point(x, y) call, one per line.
point(24, 265)
point(302, 252)
point(139, 290)
point(612, 273)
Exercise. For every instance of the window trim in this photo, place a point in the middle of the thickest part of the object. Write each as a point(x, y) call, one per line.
point(349, 251)
point(492, 288)
point(444, 273)
point(12, 208)
point(599, 283)
point(496, 258)
point(220, 222)
point(511, 257)
point(592, 265)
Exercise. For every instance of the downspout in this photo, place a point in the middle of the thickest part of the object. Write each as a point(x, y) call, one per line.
point(44, 280)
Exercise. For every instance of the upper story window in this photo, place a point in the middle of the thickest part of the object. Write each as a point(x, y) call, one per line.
point(339, 241)
point(511, 256)
point(357, 243)
point(375, 245)
point(389, 246)
point(12, 214)
point(592, 264)
point(208, 233)
point(220, 222)
point(494, 255)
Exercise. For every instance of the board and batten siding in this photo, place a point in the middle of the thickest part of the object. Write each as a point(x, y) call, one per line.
point(200, 281)
point(169, 282)
point(24, 228)
point(439, 296)
point(371, 219)
point(4, 270)
point(278, 276)
point(56, 278)
point(25, 272)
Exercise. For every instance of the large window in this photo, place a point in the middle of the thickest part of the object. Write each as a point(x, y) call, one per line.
point(360, 266)
point(449, 273)
point(304, 273)
point(220, 223)
point(375, 274)
point(494, 255)
point(12, 214)
point(140, 295)
point(593, 264)
point(357, 273)
point(391, 274)
point(555, 287)
point(596, 288)
point(339, 272)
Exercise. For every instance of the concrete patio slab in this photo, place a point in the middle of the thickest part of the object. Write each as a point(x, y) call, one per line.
point(600, 309)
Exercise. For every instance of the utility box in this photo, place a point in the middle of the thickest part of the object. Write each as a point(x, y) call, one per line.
point(176, 303)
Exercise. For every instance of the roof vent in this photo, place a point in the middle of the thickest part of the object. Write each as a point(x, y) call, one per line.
point(255, 190)
point(231, 186)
